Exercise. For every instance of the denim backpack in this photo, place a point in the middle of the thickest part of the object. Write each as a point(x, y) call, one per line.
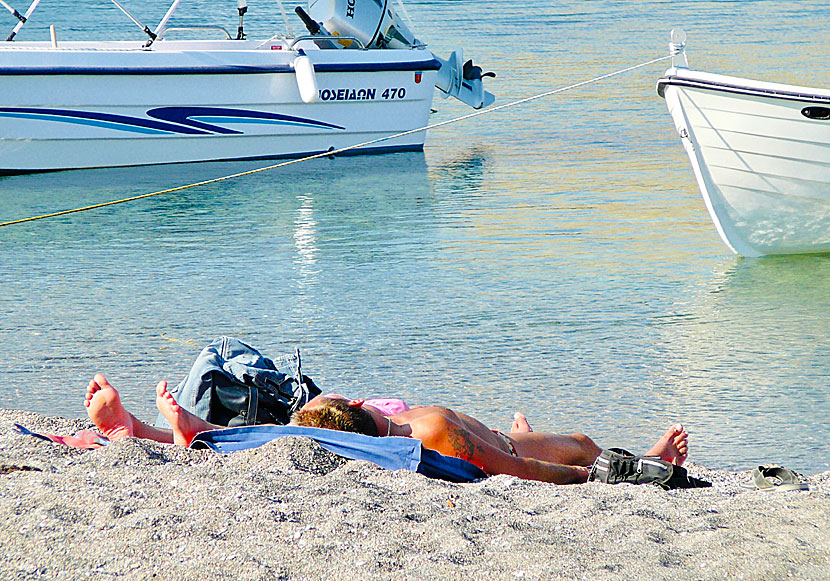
point(232, 384)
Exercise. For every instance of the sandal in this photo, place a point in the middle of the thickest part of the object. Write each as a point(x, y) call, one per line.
point(773, 477)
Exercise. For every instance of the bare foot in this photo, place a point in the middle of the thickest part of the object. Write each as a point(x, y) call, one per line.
point(185, 425)
point(673, 446)
point(520, 424)
point(106, 411)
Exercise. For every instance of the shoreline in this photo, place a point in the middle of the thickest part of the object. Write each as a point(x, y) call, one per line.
point(291, 510)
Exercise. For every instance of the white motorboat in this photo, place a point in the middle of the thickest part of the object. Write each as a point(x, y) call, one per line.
point(761, 155)
point(358, 76)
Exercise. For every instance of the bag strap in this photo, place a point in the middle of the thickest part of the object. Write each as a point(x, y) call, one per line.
point(253, 404)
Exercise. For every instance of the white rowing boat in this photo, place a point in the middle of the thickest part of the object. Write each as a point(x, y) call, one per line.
point(761, 154)
point(358, 76)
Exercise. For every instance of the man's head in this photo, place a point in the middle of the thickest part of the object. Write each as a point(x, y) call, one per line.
point(336, 414)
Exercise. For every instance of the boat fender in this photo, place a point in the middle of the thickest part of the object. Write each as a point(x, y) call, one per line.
point(306, 78)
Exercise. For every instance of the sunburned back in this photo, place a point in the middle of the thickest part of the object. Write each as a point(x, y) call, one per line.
point(445, 430)
point(456, 434)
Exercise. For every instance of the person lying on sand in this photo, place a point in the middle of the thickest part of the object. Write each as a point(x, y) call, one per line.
point(561, 459)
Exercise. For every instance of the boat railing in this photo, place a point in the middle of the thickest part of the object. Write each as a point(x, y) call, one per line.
point(217, 28)
point(327, 37)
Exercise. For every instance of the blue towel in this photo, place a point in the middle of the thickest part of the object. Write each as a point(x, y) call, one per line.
point(392, 453)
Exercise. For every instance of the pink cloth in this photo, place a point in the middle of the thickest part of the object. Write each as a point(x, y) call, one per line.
point(388, 406)
point(84, 439)
point(87, 439)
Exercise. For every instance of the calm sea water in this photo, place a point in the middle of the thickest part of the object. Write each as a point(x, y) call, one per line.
point(553, 258)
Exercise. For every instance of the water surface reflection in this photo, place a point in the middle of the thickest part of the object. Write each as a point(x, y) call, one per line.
point(747, 358)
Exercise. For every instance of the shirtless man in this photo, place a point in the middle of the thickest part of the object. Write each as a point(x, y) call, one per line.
point(561, 459)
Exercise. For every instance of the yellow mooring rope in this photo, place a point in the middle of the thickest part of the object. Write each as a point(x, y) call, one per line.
point(336, 151)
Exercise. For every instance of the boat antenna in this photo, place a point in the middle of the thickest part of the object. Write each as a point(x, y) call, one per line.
point(149, 32)
point(160, 28)
point(242, 7)
point(21, 17)
point(14, 12)
point(288, 32)
point(406, 17)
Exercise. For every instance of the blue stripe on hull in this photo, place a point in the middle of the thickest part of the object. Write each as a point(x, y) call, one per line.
point(170, 120)
point(185, 116)
point(118, 122)
point(88, 122)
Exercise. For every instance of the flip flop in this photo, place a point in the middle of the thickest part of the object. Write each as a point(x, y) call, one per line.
point(772, 477)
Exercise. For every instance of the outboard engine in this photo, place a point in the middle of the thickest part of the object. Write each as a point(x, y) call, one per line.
point(376, 25)
point(372, 22)
point(464, 82)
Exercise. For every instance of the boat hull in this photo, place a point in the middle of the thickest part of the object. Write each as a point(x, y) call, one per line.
point(109, 105)
point(761, 156)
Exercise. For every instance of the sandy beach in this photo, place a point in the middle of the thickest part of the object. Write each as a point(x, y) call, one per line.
point(290, 510)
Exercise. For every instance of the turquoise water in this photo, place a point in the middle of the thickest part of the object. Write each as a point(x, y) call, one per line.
point(554, 258)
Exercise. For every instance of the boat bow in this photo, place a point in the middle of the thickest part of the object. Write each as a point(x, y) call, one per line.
point(760, 152)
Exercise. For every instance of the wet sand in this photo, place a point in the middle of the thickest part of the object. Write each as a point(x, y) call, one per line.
point(290, 510)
